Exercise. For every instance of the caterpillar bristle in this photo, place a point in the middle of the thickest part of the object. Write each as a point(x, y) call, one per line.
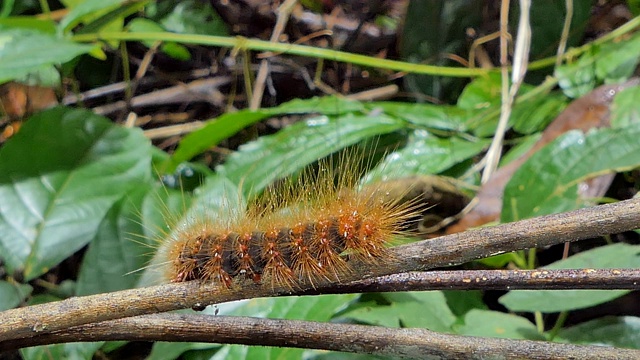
point(306, 231)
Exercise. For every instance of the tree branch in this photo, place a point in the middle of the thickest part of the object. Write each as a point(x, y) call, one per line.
point(394, 342)
point(447, 250)
point(558, 279)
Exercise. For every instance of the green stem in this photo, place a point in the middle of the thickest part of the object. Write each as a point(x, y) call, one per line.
point(539, 321)
point(531, 263)
point(321, 53)
point(562, 317)
point(291, 49)
point(44, 6)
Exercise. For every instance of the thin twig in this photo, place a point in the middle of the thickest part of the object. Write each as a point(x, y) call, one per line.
point(564, 37)
point(284, 11)
point(548, 279)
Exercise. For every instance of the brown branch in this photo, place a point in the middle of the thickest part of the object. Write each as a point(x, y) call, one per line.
point(394, 342)
point(558, 279)
point(447, 250)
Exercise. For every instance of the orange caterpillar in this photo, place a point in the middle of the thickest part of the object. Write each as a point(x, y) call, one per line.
point(306, 232)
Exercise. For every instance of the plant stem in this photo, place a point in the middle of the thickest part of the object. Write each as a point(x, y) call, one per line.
point(292, 49)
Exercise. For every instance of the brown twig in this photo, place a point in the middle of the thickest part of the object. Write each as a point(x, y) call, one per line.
point(404, 342)
point(560, 279)
point(284, 11)
point(447, 250)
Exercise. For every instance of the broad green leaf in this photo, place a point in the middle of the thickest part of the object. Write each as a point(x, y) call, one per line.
point(128, 235)
point(25, 51)
point(11, 295)
point(606, 257)
point(229, 124)
point(173, 350)
point(28, 23)
point(534, 115)
point(428, 310)
point(525, 143)
point(618, 59)
point(437, 117)
point(481, 93)
point(548, 182)
point(622, 331)
point(87, 9)
point(484, 95)
point(111, 20)
point(259, 163)
point(424, 154)
point(461, 302)
point(612, 62)
point(58, 178)
point(172, 49)
point(624, 109)
point(324, 105)
point(194, 17)
point(212, 133)
point(495, 324)
point(72, 351)
point(578, 78)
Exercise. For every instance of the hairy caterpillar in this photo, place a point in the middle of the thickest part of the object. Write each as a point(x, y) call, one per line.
point(304, 231)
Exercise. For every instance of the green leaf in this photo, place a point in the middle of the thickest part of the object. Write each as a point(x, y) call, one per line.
point(24, 51)
point(28, 23)
point(481, 93)
point(606, 257)
point(170, 350)
point(426, 154)
point(548, 182)
point(172, 49)
point(229, 124)
point(495, 324)
point(437, 117)
point(461, 302)
point(11, 295)
point(260, 162)
point(624, 109)
point(325, 105)
point(112, 20)
point(212, 133)
point(87, 9)
point(194, 17)
point(612, 62)
point(129, 232)
point(534, 115)
point(525, 143)
point(75, 351)
point(622, 331)
point(58, 178)
point(428, 310)
point(618, 59)
point(578, 78)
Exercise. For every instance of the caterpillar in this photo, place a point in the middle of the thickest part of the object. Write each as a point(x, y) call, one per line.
point(304, 231)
